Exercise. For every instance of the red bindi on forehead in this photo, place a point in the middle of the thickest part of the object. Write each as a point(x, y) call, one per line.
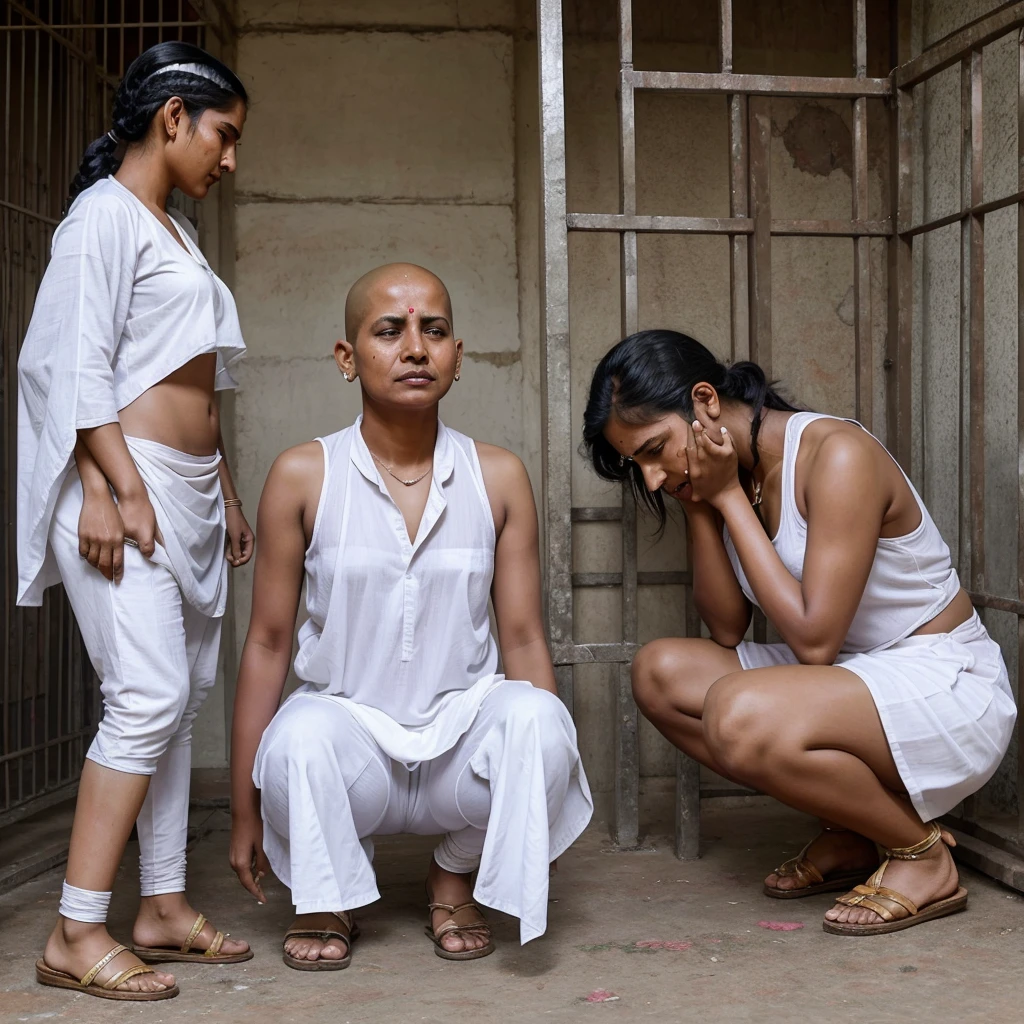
point(411, 310)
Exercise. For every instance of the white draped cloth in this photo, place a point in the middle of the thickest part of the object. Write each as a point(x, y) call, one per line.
point(121, 306)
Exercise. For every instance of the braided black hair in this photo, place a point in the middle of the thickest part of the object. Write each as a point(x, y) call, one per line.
point(653, 373)
point(143, 92)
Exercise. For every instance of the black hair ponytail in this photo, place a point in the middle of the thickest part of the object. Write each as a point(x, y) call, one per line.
point(653, 373)
point(202, 82)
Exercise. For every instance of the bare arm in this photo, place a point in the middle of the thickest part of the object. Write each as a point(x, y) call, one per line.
point(263, 668)
point(720, 602)
point(240, 536)
point(516, 591)
point(846, 503)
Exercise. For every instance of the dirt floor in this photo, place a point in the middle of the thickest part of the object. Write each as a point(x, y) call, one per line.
point(631, 936)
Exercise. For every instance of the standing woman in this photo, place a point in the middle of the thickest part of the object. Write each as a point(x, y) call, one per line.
point(125, 497)
point(886, 704)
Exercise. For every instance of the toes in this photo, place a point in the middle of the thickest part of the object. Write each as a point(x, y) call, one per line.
point(332, 951)
point(453, 943)
point(234, 946)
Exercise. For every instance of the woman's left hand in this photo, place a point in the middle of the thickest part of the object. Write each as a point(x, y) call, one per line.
point(713, 466)
point(241, 540)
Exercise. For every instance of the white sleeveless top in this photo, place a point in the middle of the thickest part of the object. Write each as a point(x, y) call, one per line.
point(912, 577)
point(400, 627)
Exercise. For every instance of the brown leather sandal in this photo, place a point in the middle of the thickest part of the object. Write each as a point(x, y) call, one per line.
point(895, 909)
point(348, 936)
point(477, 926)
point(810, 881)
point(185, 954)
point(46, 975)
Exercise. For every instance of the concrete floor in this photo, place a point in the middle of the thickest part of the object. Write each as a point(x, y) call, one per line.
point(607, 908)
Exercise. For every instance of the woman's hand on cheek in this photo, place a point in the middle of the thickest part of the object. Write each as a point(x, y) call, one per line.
point(713, 465)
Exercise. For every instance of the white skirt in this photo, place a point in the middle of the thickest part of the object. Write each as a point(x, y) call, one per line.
point(945, 703)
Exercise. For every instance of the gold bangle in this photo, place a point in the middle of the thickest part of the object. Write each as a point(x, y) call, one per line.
point(232, 502)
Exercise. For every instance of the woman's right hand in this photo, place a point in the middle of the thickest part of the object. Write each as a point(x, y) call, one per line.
point(247, 858)
point(140, 522)
point(101, 533)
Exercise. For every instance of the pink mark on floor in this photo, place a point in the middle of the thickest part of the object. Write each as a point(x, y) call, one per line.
point(780, 926)
point(601, 996)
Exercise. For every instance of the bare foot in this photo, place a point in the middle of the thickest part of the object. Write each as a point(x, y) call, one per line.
point(164, 922)
point(833, 852)
point(931, 878)
point(75, 948)
point(447, 887)
point(308, 948)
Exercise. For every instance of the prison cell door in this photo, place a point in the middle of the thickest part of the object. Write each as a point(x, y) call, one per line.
point(750, 229)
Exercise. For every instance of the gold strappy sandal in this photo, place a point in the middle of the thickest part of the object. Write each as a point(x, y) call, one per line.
point(476, 926)
point(348, 936)
point(810, 881)
point(896, 910)
point(185, 954)
point(46, 975)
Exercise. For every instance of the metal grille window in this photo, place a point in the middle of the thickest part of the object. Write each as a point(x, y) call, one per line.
point(752, 232)
point(60, 62)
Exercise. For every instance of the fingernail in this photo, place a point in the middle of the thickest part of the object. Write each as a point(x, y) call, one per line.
point(724, 431)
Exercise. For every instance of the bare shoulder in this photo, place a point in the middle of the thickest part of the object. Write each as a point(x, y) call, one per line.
point(837, 446)
point(500, 463)
point(507, 483)
point(297, 474)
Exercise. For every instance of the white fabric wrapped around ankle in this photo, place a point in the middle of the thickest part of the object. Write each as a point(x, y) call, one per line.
point(84, 904)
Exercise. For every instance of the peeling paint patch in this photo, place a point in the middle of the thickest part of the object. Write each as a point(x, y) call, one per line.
point(502, 360)
point(819, 141)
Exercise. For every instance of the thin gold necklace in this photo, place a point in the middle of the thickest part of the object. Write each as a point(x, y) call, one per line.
point(390, 471)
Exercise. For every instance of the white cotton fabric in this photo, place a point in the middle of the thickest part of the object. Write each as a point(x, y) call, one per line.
point(189, 504)
point(944, 699)
point(912, 577)
point(399, 637)
point(86, 905)
point(156, 658)
point(509, 796)
point(121, 306)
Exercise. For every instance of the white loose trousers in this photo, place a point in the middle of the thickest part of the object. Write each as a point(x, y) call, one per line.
point(510, 797)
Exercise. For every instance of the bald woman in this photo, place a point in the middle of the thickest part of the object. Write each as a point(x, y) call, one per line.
point(402, 530)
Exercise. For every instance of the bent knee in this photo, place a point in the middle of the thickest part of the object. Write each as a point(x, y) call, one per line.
point(740, 726)
point(673, 674)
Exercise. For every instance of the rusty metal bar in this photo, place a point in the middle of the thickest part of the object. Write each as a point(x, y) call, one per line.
point(739, 186)
point(627, 750)
point(856, 228)
point(759, 256)
point(652, 578)
point(898, 344)
point(947, 52)
point(759, 85)
point(1020, 433)
point(554, 301)
point(593, 654)
point(725, 36)
point(760, 249)
point(997, 602)
point(687, 806)
point(861, 246)
point(971, 211)
point(972, 328)
point(645, 223)
point(596, 514)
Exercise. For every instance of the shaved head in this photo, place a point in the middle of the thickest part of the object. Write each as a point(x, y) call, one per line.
point(378, 289)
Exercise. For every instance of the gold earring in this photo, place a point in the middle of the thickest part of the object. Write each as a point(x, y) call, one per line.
point(456, 374)
point(349, 378)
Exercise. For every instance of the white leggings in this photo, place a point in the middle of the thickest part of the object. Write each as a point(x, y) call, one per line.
point(513, 778)
point(156, 658)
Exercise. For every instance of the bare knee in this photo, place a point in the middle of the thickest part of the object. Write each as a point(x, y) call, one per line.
point(739, 727)
point(672, 676)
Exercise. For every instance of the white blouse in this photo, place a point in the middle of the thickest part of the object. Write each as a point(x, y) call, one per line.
point(121, 306)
